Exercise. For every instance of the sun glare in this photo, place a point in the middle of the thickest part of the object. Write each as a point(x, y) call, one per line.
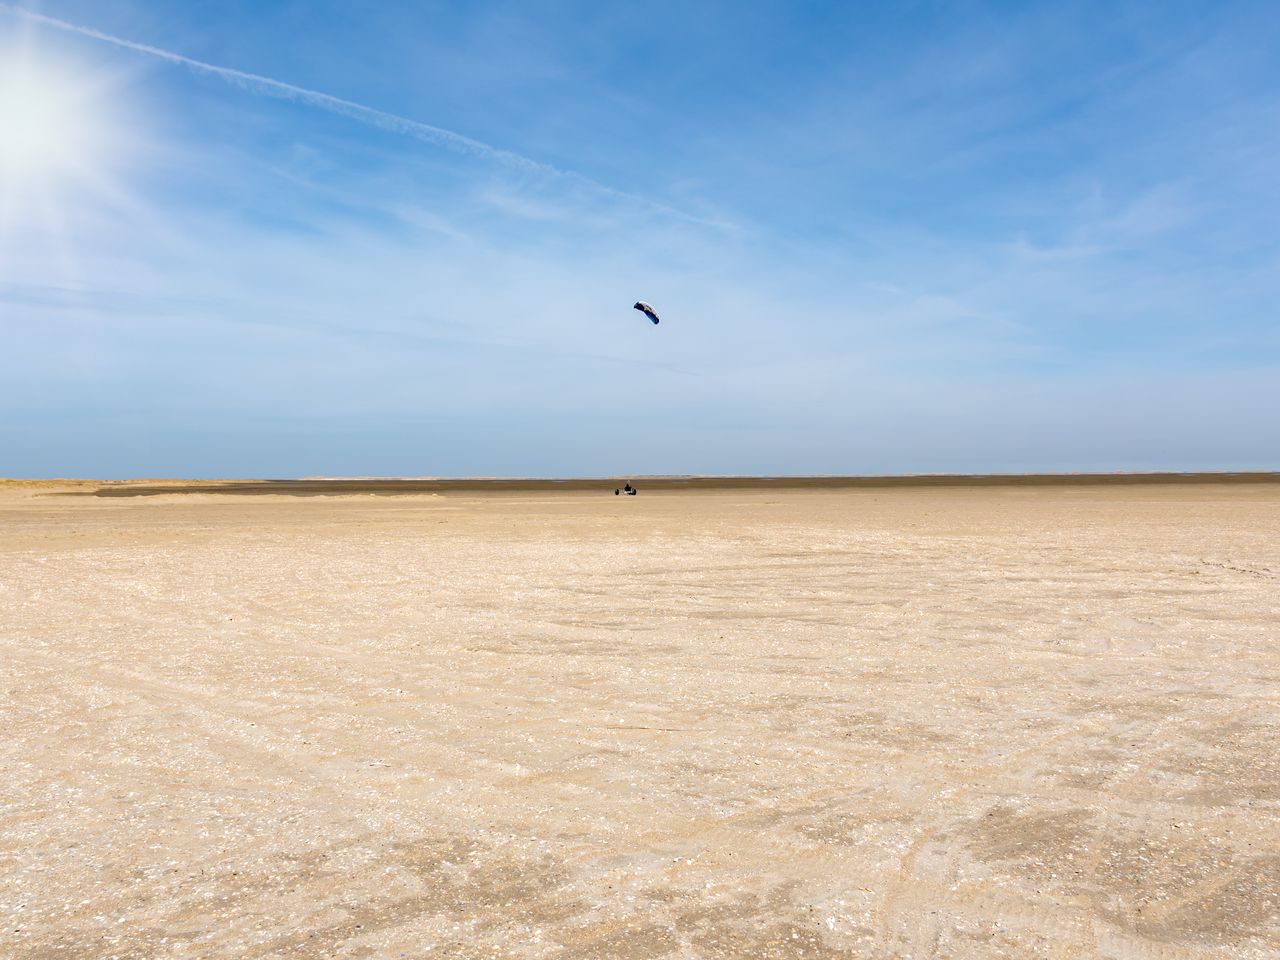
point(58, 154)
point(45, 131)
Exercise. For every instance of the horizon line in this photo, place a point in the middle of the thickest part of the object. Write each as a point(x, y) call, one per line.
point(320, 486)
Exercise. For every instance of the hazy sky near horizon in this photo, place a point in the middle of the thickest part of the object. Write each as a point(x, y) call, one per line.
point(283, 238)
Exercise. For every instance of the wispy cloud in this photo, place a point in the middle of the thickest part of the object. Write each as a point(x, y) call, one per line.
point(362, 113)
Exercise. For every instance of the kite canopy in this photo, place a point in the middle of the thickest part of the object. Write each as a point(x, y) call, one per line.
point(647, 310)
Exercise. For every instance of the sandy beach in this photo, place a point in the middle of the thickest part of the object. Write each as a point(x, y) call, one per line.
point(973, 721)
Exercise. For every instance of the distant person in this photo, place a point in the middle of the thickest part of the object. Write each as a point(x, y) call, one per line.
point(629, 490)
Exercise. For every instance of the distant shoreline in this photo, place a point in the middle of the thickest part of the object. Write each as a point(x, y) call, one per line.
point(337, 486)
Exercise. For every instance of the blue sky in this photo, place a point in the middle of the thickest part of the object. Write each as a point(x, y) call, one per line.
point(883, 238)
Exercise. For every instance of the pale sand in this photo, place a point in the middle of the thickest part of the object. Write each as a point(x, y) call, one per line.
point(964, 723)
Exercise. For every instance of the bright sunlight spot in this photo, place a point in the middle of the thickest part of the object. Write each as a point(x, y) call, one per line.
point(59, 150)
point(44, 129)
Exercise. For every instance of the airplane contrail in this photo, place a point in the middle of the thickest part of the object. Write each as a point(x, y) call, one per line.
point(256, 83)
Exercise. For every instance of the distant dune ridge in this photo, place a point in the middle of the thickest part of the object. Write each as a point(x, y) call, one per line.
point(337, 486)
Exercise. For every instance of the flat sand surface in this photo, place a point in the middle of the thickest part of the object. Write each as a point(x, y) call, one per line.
point(970, 722)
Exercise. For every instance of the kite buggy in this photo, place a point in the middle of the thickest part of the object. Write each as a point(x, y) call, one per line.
point(652, 314)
